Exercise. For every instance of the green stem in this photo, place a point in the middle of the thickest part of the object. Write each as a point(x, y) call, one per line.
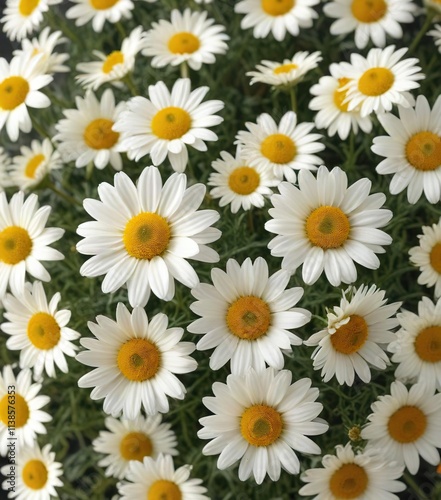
point(62, 194)
point(89, 171)
point(130, 84)
point(411, 482)
point(423, 30)
point(292, 93)
point(121, 30)
point(251, 220)
point(39, 128)
point(184, 70)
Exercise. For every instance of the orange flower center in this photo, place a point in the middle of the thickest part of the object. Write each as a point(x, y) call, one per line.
point(327, 227)
point(428, 344)
point(277, 7)
point(244, 180)
point(139, 359)
point(183, 43)
point(249, 317)
point(376, 81)
point(261, 425)
point(407, 424)
point(349, 481)
point(423, 151)
point(368, 11)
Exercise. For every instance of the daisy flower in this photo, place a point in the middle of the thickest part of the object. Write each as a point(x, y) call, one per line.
point(189, 37)
point(412, 150)
point(287, 73)
point(20, 84)
point(38, 330)
point(370, 19)
point(239, 184)
point(260, 419)
point(135, 361)
point(246, 316)
point(24, 241)
point(405, 425)
point(86, 133)
point(144, 233)
point(34, 163)
point(19, 398)
point(365, 474)
point(282, 148)
point(417, 349)
point(277, 16)
point(436, 33)
point(326, 226)
point(5, 163)
point(350, 342)
point(165, 124)
point(132, 440)
point(99, 11)
point(159, 479)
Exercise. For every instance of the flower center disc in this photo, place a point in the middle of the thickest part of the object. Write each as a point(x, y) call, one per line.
point(277, 7)
point(368, 11)
point(146, 235)
point(376, 81)
point(327, 227)
point(285, 68)
point(103, 4)
point(350, 481)
point(164, 490)
point(99, 134)
point(13, 92)
point(43, 331)
point(423, 151)
point(34, 474)
point(139, 359)
point(15, 245)
point(183, 43)
point(249, 317)
point(428, 344)
point(135, 446)
point(21, 410)
point(349, 338)
point(407, 424)
point(340, 95)
point(171, 123)
point(435, 257)
point(26, 7)
point(244, 180)
point(261, 425)
point(114, 58)
point(33, 164)
point(278, 148)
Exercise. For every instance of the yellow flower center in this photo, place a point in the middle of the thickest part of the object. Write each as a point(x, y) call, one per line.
point(423, 151)
point(249, 317)
point(244, 180)
point(34, 474)
point(428, 344)
point(285, 68)
point(146, 235)
point(15, 245)
point(33, 164)
point(164, 490)
point(99, 134)
point(114, 58)
point(349, 338)
point(277, 7)
point(171, 123)
point(183, 43)
point(139, 359)
point(13, 92)
point(43, 331)
point(340, 95)
point(278, 148)
point(103, 4)
point(261, 425)
point(135, 446)
point(368, 11)
point(407, 424)
point(349, 481)
point(435, 257)
point(15, 407)
point(376, 81)
point(26, 7)
point(327, 227)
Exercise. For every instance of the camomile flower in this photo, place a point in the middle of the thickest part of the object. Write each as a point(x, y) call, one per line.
point(370, 19)
point(362, 475)
point(349, 345)
point(86, 134)
point(189, 37)
point(436, 34)
point(143, 235)
point(326, 226)
point(276, 16)
point(99, 11)
point(287, 73)
point(19, 399)
point(165, 124)
point(38, 330)
point(261, 419)
point(405, 425)
point(412, 150)
point(282, 148)
point(20, 84)
point(132, 440)
point(5, 162)
point(135, 361)
point(247, 316)
point(158, 479)
point(24, 241)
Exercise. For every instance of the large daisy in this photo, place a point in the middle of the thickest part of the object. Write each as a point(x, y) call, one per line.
point(326, 226)
point(99, 11)
point(143, 235)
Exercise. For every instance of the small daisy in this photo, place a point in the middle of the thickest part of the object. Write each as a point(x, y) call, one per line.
point(135, 361)
point(277, 16)
point(350, 342)
point(20, 396)
point(158, 479)
point(38, 330)
point(24, 241)
point(189, 37)
point(412, 150)
point(260, 419)
point(34, 163)
point(86, 134)
point(164, 125)
point(282, 148)
point(143, 235)
point(239, 184)
point(5, 162)
point(246, 316)
point(405, 425)
point(362, 475)
point(287, 73)
point(436, 33)
point(370, 19)
point(326, 226)
point(132, 440)
point(99, 11)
